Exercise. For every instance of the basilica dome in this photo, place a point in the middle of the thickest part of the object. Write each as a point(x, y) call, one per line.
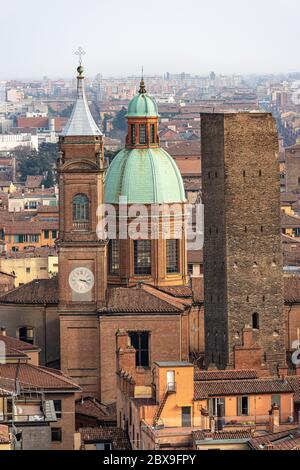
point(145, 176)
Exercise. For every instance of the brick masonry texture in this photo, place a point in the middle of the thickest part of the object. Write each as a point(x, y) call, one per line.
point(242, 248)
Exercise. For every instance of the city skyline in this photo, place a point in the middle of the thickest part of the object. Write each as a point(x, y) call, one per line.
point(116, 42)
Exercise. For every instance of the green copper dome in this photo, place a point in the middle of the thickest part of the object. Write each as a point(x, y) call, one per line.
point(144, 176)
point(142, 105)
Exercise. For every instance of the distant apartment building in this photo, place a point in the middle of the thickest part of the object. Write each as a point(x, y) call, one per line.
point(14, 95)
point(32, 200)
point(9, 142)
point(37, 265)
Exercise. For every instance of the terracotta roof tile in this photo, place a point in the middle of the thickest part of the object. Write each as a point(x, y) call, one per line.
point(238, 374)
point(116, 436)
point(177, 291)
point(294, 382)
point(141, 299)
point(17, 344)
point(240, 387)
point(38, 377)
point(221, 435)
point(291, 289)
point(286, 440)
point(91, 407)
point(33, 181)
point(42, 291)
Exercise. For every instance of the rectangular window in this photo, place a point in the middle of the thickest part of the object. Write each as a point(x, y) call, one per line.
point(54, 234)
point(276, 400)
point(140, 342)
point(142, 133)
point(114, 262)
point(46, 234)
point(32, 204)
point(57, 407)
point(172, 256)
point(132, 128)
point(56, 435)
point(217, 406)
point(142, 257)
point(26, 333)
point(243, 406)
point(186, 416)
point(152, 133)
point(32, 238)
point(28, 270)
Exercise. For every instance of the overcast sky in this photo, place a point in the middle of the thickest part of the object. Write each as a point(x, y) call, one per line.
point(197, 36)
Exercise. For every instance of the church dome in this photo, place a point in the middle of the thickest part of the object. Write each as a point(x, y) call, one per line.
point(144, 176)
point(142, 105)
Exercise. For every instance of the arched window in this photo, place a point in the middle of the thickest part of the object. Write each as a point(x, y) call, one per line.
point(81, 209)
point(255, 321)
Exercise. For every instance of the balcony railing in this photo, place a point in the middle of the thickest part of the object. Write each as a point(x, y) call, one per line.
point(80, 225)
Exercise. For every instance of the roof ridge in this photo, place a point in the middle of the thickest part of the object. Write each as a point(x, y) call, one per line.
point(166, 297)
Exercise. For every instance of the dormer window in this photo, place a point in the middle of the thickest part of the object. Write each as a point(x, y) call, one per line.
point(142, 130)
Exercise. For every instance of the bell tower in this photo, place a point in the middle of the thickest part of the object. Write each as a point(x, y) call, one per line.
point(82, 256)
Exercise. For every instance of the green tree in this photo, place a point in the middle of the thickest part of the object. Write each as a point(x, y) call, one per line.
point(119, 122)
point(31, 162)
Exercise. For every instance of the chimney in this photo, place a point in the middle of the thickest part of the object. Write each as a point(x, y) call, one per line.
point(197, 287)
point(205, 419)
point(2, 331)
point(274, 418)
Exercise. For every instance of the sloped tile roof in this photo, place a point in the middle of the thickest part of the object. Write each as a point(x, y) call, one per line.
point(286, 440)
point(221, 435)
point(116, 436)
point(42, 291)
point(292, 289)
point(38, 377)
point(141, 299)
point(17, 344)
point(294, 382)
point(91, 407)
point(238, 374)
point(240, 387)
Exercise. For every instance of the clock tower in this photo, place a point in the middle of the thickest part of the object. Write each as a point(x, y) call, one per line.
point(82, 256)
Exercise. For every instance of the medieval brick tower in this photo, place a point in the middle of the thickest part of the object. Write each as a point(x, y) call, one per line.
point(82, 257)
point(242, 247)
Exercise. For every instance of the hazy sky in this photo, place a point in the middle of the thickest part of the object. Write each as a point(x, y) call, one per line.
point(243, 36)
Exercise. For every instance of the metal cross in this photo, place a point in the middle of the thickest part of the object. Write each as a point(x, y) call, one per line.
point(80, 52)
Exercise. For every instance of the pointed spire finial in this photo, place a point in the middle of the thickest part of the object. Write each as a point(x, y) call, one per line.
point(142, 83)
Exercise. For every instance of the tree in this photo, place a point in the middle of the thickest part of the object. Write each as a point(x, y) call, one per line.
point(31, 162)
point(119, 122)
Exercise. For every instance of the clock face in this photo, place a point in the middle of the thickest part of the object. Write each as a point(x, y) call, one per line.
point(81, 280)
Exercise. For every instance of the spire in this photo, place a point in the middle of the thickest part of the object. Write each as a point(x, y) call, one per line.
point(81, 121)
point(142, 83)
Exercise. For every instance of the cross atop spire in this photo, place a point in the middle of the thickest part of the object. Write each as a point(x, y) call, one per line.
point(142, 83)
point(80, 52)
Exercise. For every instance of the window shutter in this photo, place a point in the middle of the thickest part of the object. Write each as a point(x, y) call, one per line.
point(239, 406)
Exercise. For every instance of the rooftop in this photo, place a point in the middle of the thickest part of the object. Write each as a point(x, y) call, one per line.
point(81, 122)
point(116, 436)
